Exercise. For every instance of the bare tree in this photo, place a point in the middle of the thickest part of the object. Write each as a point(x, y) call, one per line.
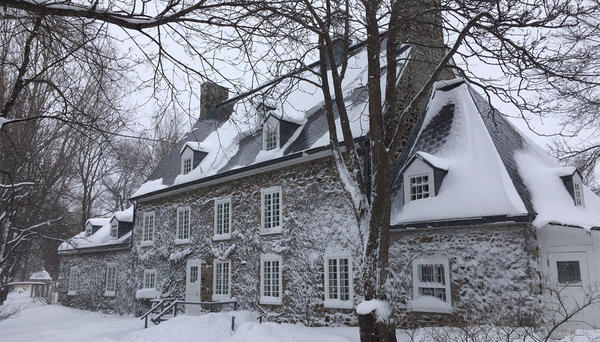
point(542, 48)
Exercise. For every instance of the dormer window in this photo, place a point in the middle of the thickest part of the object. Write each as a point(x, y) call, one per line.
point(573, 182)
point(88, 229)
point(422, 176)
point(419, 187)
point(187, 166)
point(578, 194)
point(114, 229)
point(271, 135)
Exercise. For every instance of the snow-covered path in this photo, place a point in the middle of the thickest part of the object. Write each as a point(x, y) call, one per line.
point(56, 323)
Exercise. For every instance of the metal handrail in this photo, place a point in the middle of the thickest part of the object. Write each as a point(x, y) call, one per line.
point(154, 307)
point(173, 308)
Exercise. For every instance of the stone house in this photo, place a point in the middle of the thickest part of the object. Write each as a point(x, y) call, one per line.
point(96, 265)
point(249, 207)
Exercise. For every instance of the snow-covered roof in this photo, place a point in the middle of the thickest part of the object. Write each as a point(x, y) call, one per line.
point(236, 143)
point(124, 215)
point(40, 275)
point(101, 238)
point(494, 170)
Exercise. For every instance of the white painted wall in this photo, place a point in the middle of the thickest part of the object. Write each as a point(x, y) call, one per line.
point(562, 243)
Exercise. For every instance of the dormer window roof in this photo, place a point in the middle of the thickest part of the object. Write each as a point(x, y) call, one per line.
point(422, 176)
point(573, 182)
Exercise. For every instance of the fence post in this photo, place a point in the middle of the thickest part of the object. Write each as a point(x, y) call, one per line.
point(146, 322)
point(175, 310)
point(232, 323)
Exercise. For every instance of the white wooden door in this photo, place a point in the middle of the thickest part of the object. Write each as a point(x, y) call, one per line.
point(193, 284)
point(570, 273)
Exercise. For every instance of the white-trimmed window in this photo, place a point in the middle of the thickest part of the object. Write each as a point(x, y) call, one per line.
point(223, 218)
point(271, 135)
point(73, 281)
point(431, 285)
point(111, 280)
point(270, 279)
point(186, 166)
point(419, 187)
point(221, 279)
point(114, 229)
point(149, 279)
point(148, 229)
point(578, 193)
point(338, 281)
point(271, 210)
point(88, 229)
point(183, 225)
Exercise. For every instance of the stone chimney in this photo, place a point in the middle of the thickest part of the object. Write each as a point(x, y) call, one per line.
point(211, 94)
point(338, 17)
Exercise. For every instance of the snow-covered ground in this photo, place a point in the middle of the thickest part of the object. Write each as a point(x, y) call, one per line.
point(48, 323)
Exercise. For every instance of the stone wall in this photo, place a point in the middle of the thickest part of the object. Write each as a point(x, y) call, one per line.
point(493, 272)
point(92, 281)
point(317, 217)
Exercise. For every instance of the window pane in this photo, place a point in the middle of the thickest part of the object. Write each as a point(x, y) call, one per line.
point(568, 272)
point(333, 281)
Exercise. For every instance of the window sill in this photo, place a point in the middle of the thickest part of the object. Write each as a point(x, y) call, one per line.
point(271, 231)
point(182, 241)
point(338, 304)
point(221, 237)
point(221, 298)
point(147, 243)
point(431, 304)
point(109, 293)
point(270, 300)
point(72, 293)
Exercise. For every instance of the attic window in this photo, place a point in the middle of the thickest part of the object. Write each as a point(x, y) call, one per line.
point(271, 135)
point(88, 230)
point(187, 166)
point(114, 229)
point(578, 194)
point(419, 187)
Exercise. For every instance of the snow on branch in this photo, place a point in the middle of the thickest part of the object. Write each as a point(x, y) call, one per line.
point(380, 308)
point(128, 19)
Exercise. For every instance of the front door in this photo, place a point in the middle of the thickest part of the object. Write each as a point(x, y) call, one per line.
point(570, 274)
point(192, 284)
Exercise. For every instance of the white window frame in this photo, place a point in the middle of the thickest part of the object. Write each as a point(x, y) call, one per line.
point(221, 296)
point(578, 194)
point(429, 186)
point(148, 272)
point(336, 302)
point(110, 286)
point(271, 300)
point(184, 169)
point(224, 235)
point(178, 230)
point(114, 229)
point(148, 232)
point(73, 281)
point(88, 229)
point(270, 124)
point(417, 284)
point(263, 194)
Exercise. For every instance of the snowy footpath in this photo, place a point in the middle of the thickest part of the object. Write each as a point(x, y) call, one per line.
point(54, 323)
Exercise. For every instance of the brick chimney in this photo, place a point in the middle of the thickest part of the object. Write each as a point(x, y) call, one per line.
point(211, 94)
